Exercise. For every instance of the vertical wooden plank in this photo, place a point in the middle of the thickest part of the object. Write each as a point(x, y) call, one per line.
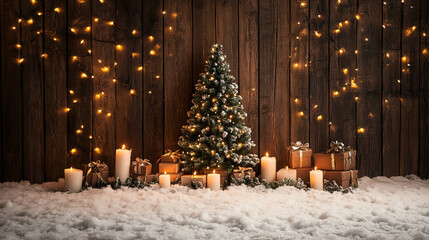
point(177, 69)
point(342, 72)
point(103, 59)
point(129, 125)
point(424, 92)
point(410, 88)
point(391, 125)
point(153, 86)
point(368, 113)
point(299, 80)
point(11, 90)
point(227, 32)
point(319, 75)
point(55, 68)
point(203, 34)
point(248, 65)
point(274, 74)
point(32, 90)
point(79, 83)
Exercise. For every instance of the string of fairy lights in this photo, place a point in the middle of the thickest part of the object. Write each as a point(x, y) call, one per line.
point(349, 85)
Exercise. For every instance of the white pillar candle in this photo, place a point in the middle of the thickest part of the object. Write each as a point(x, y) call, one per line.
point(73, 179)
point(286, 173)
point(268, 168)
point(316, 179)
point(213, 181)
point(122, 163)
point(164, 180)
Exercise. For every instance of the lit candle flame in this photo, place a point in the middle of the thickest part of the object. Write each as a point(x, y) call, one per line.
point(214, 171)
point(266, 154)
point(315, 168)
point(165, 173)
point(71, 169)
point(123, 146)
point(195, 173)
point(287, 168)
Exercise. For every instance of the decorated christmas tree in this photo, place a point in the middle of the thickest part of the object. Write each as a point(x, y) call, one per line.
point(215, 135)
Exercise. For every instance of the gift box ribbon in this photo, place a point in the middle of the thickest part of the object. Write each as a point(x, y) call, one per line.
point(243, 170)
point(96, 167)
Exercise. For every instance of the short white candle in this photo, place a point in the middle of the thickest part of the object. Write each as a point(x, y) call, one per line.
point(213, 181)
point(73, 179)
point(286, 173)
point(164, 180)
point(316, 179)
point(268, 168)
point(122, 163)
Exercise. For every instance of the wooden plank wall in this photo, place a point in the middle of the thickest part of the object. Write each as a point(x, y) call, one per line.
point(80, 78)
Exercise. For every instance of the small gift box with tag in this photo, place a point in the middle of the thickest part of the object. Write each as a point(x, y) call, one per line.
point(298, 155)
point(242, 172)
point(337, 157)
point(96, 173)
point(141, 167)
point(170, 156)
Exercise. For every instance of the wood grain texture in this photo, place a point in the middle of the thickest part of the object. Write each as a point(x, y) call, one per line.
point(410, 88)
point(55, 86)
point(342, 106)
point(227, 32)
point(153, 85)
point(274, 73)
point(32, 91)
point(177, 69)
point(319, 75)
point(129, 75)
point(424, 91)
point(11, 91)
point(103, 59)
point(203, 34)
point(391, 115)
point(368, 112)
point(299, 79)
point(248, 65)
point(79, 63)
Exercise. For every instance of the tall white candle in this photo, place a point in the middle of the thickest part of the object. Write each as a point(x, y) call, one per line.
point(316, 179)
point(213, 181)
point(122, 163)
point(286, 173)
point(73, 179)
point(268, 168)
point(164, 180)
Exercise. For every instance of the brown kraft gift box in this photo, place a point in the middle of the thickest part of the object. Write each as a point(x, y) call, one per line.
point(336, 161)
point(304, 174)
point(344, 179)
point(298, 158)
point(141, 167)
point(98, 173)
point(171, 157)
point(169, 167)
point(223, 175)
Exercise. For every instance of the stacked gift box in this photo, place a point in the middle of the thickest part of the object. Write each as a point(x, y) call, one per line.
point(298, 157)
point(243, 172)
point(140, 169)
point(169, 163)
point(339, 164)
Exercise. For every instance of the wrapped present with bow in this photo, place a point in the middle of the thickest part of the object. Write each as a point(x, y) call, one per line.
point(241, 172)
point(96, 173)
point(337, 157)
point(344, 179)
point(171, 157)
point(298, 155)
point(141, 167)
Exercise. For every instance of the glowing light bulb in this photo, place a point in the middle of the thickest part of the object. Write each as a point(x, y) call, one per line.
point(132, 91)
point(83, 75)
point(361, 130)
point(134, 32)
point(335, 93)
point(73, 150)
point(119, 47)
point(319, 117)
point(151, 38)
point(57, 9)
point(152, 52)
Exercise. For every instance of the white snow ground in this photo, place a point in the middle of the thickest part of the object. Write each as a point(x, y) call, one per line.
point(382, 208)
